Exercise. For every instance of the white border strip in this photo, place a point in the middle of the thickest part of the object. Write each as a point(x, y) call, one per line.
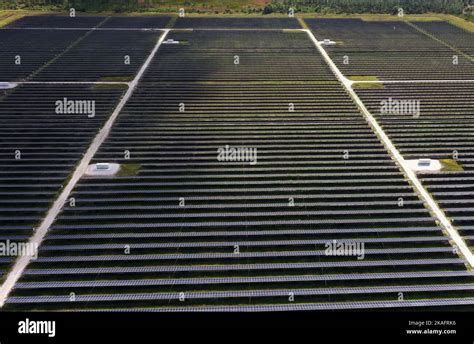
point(416, 184)
point(22, 262)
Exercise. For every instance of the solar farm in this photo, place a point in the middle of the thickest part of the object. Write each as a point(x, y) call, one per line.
point(324, 211)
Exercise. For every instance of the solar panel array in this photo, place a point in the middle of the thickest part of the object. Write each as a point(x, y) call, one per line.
point(88, 22)
point(39, 148)
point(102, 56)
point(149, 22)
point(23, 52)
point(390, 50)
point(450, 34)
point(73, 54)
point(237, 56)
point(179, 228)
point(182, 230)
point(236, 23)
point(444, 130)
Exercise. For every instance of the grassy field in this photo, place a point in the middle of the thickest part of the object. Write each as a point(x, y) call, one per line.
point(7, 17)
point(211, 5)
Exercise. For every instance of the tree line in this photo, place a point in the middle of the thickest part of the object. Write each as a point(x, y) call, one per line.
point(369, 6)
point(274, 6)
